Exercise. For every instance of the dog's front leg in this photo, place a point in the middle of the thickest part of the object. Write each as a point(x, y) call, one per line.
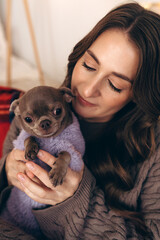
point(59, 169)
point(31, 148)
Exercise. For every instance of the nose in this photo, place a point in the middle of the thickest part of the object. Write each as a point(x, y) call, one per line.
point(45, 124)
point(91, 88)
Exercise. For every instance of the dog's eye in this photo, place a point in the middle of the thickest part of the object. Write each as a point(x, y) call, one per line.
point(28, 119)
point(57, 111)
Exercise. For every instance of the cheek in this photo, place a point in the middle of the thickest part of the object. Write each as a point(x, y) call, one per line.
point(77, 75)
point(125, 99)
point(117, 101)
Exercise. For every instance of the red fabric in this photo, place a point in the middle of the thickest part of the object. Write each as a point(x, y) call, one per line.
point(7, 95)
point(4, 126)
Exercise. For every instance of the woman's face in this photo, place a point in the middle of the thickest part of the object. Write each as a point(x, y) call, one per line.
point(102, 78)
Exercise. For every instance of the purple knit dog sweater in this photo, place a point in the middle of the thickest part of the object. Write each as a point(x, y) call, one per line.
point(18, 209)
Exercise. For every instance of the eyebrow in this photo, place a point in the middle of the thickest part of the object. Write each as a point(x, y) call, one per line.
point(119, 75)
point(93, 56)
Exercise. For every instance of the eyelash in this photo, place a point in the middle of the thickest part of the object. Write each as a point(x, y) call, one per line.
point(110, 83)
point(88, 67)
point(113, 87)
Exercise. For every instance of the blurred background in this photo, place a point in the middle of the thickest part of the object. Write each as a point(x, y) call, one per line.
point(57, 26)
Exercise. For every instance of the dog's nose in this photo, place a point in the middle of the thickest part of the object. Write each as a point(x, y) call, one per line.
point(45, 124)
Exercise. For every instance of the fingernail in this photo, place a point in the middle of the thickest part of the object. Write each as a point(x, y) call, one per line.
point(21, 177)
point(40, 154)
point(30, 165)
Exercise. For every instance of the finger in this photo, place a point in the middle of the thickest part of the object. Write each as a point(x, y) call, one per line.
point(33, 177)
point(30, 174)
point(32, 195)
point(18, 155)
point(28, 183)
point(40, 173)
point(34, 190)
point(14, 159)
point(46, 157)
point(15, 162)
point(20, 166)
point(16, 183)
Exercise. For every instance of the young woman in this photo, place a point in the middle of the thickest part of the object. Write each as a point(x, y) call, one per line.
point(114, 73)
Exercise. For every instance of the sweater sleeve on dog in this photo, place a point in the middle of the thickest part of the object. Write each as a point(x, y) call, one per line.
point(19, 142)
point(72, 141)
point(73, 135)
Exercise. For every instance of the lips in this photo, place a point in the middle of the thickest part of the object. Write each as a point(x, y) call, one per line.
point(83, 102)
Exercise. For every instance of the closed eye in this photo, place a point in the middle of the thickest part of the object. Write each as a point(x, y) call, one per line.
point(88, 67)
point(113, 87)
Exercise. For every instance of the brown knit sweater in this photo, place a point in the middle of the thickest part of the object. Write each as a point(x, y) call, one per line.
point(84, 215)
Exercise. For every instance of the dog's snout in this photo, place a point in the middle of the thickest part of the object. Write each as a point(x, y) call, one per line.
point(45, 124)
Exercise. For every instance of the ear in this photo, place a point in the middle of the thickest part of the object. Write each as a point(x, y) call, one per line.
point(14, 107)
point(68, 94)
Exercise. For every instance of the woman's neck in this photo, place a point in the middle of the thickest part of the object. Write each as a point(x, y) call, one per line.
point(92, 131)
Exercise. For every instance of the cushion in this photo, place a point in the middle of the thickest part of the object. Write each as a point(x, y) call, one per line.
point(7, 95)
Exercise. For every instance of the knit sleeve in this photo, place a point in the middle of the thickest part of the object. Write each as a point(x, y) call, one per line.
point(18, 143)
point(9, 231)
point(150, 197)
point(11, 135)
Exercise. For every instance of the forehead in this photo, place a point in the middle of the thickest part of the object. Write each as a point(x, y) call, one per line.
point(114, 49)
point(40, 99)
point(42, 94)
point(116, 41)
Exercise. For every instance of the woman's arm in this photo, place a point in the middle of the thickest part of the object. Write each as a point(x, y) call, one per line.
point(150, 196)
point(12, 134)
point(9, 231)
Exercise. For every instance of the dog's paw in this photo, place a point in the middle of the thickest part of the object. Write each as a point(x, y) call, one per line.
point(31, 152)
point(57, 174)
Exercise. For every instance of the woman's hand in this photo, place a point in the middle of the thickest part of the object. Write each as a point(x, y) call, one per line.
point(15, 163)
point(36, 183)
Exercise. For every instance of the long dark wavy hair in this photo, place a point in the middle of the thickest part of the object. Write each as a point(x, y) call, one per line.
point(129, 138)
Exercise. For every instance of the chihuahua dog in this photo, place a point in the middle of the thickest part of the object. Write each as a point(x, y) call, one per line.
point(47, 123)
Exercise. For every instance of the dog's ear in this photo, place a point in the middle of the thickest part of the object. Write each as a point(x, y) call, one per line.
point(67, 93)
point(14, 107)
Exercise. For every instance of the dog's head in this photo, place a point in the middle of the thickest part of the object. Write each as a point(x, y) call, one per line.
point(44, 111)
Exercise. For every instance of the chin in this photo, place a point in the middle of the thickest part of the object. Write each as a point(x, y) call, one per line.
point(85, 115)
